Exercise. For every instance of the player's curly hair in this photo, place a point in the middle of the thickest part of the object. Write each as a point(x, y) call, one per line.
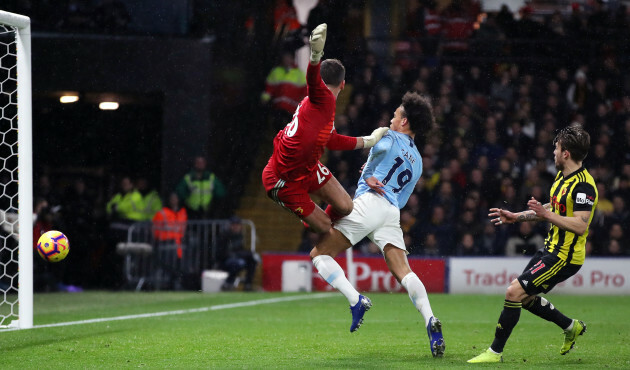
point(575, 140)
point(333, 72)
point(419, 113)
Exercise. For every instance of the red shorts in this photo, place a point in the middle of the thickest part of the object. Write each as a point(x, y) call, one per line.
point(294, 195)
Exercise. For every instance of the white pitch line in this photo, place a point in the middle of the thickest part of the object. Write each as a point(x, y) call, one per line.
point(182, 312)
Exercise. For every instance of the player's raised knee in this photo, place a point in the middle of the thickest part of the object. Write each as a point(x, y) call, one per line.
point(346, 208)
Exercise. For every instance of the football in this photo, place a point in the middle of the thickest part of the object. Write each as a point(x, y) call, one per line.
point(53, 246)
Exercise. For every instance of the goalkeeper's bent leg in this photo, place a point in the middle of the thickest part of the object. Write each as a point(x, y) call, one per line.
point(334, 215)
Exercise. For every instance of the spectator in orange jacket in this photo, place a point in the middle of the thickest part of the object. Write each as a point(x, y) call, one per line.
point(169, 223)
point(169, 226)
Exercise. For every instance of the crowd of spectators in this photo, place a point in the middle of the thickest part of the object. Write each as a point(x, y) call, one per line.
point(462, 29)
point(497, 121)
point(499, 93)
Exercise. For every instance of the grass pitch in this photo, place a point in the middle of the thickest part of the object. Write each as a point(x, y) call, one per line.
point(251, 330)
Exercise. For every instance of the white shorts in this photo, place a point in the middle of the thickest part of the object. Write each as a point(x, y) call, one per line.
point(375, 217)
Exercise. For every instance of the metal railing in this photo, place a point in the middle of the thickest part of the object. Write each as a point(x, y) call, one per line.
point(153, 264)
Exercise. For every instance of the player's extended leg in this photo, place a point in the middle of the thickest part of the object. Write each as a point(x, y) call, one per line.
point(540, 276)
point(398, 264)
point(542, 308)
point(508, 319)
point(318, 221)
point(339, 202)
point(295, 196)
point(323, 255)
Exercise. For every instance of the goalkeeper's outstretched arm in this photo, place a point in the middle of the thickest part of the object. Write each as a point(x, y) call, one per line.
point(317, 42)
point(342, 142)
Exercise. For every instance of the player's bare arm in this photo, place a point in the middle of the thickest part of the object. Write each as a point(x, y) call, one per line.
point(578, 223)
point(537, 211)
point(501, 216)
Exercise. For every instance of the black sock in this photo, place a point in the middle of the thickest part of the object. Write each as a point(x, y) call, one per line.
point(507, 321)
point(543, 308)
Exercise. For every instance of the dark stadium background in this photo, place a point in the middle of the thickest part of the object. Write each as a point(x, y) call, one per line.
point(188, 76)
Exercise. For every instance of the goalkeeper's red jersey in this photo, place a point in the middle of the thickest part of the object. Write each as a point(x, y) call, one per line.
point(299, 146)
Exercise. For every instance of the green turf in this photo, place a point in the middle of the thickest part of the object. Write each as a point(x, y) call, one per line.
point(310, 333)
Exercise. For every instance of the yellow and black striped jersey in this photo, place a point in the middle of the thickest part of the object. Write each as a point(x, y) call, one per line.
point(576, 192)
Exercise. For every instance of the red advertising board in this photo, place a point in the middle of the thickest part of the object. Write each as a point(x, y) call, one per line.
point(372, 273)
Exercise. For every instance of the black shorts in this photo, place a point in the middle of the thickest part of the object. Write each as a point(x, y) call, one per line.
point(544, 271)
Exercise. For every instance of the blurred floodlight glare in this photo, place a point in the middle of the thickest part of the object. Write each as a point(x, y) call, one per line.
point(108, 105)
point(68, 99)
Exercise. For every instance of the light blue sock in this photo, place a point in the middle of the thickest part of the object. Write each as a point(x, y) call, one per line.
point(330, 270)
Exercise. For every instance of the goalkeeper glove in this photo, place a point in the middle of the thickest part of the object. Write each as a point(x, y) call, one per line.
point(317, 41)
point(375, 136)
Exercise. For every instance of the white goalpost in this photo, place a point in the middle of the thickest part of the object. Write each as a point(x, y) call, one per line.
point(16, 173)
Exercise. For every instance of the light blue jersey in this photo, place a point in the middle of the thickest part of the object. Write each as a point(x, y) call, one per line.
point(396, 162)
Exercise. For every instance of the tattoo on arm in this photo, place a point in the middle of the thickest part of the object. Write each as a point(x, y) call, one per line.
point(585, 219)
point(527, 216)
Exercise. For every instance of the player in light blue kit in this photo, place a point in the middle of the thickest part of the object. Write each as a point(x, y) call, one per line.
point(388, 179)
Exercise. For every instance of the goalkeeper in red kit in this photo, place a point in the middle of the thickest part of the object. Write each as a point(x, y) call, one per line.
point(294, 171)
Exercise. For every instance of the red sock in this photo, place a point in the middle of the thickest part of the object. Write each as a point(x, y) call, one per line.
point(334, 216)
